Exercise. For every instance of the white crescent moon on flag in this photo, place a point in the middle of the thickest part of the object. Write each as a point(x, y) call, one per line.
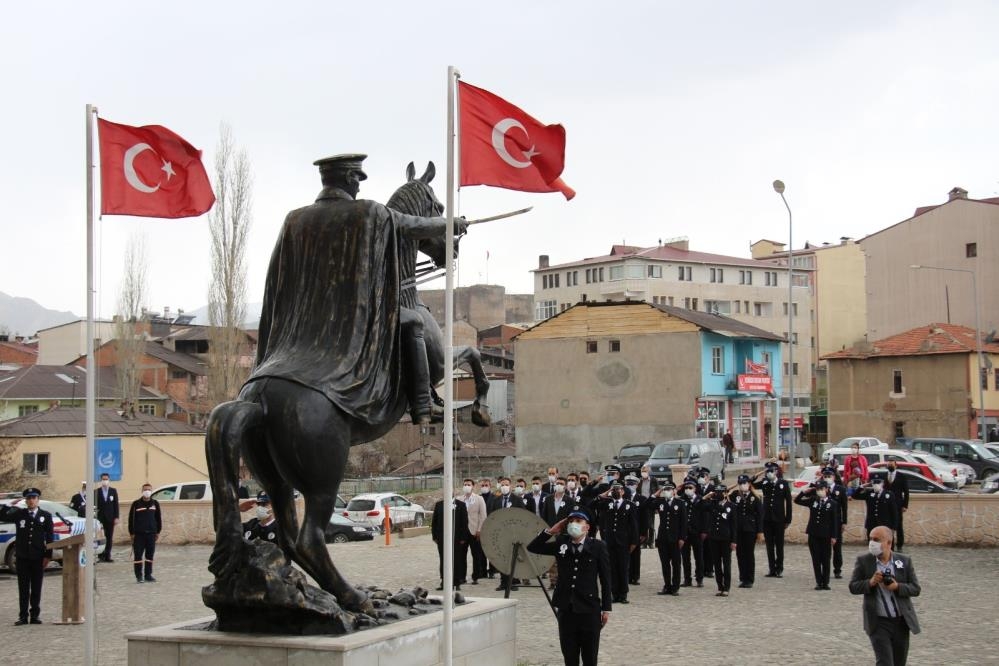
point(499, 143)
point(130, 175)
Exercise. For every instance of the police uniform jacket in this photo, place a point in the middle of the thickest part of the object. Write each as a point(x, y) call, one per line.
point(899, 489)
point(31, 534)
point(144, 517)
point(578, 573)
point(618, 520)
point(823, 516)
point(750, 509)
point(672, 519)
point(696, 516)
point(837, 493)
point(253, 529)
point(881, 508)
point(776, 500)
point(722, 520)
point(79, 504)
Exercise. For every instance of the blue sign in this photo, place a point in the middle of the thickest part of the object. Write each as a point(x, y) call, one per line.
point(107, 458)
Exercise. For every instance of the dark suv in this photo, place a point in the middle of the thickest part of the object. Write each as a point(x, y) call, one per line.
point(971, 452)
point(631, 457)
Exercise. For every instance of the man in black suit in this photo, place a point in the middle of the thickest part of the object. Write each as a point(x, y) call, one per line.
point(33, 531)
point(533, 500)
point(898, 485)
point(462, 538)
point(79, 501)
point(888, 582)
point(106, 511)
point(582, 609)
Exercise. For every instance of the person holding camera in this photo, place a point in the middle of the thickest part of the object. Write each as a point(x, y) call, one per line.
point(888, 582)
point(823, 528)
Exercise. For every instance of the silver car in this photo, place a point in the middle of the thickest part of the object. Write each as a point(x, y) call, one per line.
point(696, 452)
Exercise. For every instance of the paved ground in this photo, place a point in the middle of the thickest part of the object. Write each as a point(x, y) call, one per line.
point(778, 621)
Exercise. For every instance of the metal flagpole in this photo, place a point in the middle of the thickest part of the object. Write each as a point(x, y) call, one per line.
point(88, 551)
point(447, 583)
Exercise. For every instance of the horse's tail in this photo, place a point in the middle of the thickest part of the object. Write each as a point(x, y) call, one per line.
point(230, 427)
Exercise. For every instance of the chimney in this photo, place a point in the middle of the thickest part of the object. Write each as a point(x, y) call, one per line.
point(542, 261)
point(166, 312)
point(957, 193)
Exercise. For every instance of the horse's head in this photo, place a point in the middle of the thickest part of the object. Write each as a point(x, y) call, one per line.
point(416, 197)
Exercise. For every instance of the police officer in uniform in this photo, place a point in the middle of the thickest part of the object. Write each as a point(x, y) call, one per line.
point(79, 501)
point(618, 522)
point(882, 509)
point(776, 515)
point(721, 535)
point(837, 493)
point(33, 531)
point(750, 510)
point(582, 609)
point(672, 513)
point(823, 528)
point(898, 485)
point(641, 503)
point(264, 525)
point(694, 546)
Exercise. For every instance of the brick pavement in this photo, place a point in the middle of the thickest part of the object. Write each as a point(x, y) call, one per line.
point(778, 621)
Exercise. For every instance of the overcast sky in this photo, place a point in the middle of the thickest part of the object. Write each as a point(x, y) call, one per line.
point(678, 118)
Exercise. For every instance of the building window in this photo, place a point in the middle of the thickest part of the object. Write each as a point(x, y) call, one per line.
point(591, 346)
point(693, 304)
point(770, 278)
point(545, 309)
point(36, 463)
point(717, 361)
point(561, 307)
point(785, 308)
point(717, 275)
point(671, 301)
point(684, 273)
point(794, 369)
point(899, 428)
point(765, 360)
point(601, 275)
point(971, 250)
point(24, 410)
point(794, 309)
point(582, 298)
point(686, 302)
point(762, 309)
point(719, 307)
point(655, 271)
point(616, 273)
point(556, 279)
point(794, 338)
point(896, 381)
point(811, 342)
point(738, 307)
point(149, 410)
point(614, 346)
point(985, 378)
point(745, 277)
point(544, 281)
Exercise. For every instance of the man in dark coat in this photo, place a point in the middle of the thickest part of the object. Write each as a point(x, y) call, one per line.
point(776, 515)
point(78, 502)
point(106, 510)
point(582, 608)
point(882, 508)
point(822, 530)
point(898, 485)
point(618, 520)
point(33, 531)
point(888, 582)
point(750, 510)
point(672, 513)
point(462, 538)
point(145, 522)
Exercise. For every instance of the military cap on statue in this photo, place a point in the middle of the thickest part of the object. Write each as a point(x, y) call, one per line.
point(347, 162)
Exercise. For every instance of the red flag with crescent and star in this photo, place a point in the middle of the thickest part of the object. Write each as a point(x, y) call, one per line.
point(503, 146)
point(151, 172)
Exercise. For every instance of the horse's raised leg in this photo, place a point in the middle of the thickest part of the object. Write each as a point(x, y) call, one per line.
point(472, 359)
point(230, 426)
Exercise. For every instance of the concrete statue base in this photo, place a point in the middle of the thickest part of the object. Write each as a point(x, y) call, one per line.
point(484, 634)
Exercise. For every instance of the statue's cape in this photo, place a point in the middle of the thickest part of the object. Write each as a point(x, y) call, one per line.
point(330, 319)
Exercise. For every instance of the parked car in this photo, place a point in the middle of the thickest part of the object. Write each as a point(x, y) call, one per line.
point(631, 457)
point(952, 474)
point(864, 442)
point(917, 482)
point(990, 484)
point(185, 490)
point(369, 509)
point(77, 525)
point(342, 530)
point(971, 452)
point(701, 452)
point(921, 469)
point(993, 447)
point(807, 475)
point(874, 454)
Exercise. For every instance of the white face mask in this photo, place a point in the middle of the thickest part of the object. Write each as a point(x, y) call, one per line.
point(536, 487)
point(575, 530)
point(147, 494)
point(486, 489)
point(771, 476)
point(668, 494)
point(744, 487)
point(877, 487)
point(105, 483)
point(830, 479)
point(262, 512)
point(689, 492)
point(518, 491)
point(821, 494)
point(703, 481)
point(571, 485)
point(645, 475)
point(875, 548)
point(559, 487)
point(551, 478)
point(467, 490)
point(505, 489)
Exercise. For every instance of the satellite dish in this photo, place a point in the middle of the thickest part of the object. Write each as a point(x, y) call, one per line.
point(505, 529)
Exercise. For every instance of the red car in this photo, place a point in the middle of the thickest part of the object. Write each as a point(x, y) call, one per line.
point(916, 468)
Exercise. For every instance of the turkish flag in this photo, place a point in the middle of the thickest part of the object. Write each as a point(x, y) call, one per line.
point(504, 147)
point(151, 172)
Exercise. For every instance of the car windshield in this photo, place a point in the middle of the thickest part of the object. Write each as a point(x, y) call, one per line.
point(637, 450)
point(360, 505)
point(671, 450)
point(983, 451)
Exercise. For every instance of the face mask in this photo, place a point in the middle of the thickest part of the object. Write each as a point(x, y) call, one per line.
point(518, 491)
point(703, 481)
point(571, 485)
point(504, 489)
point(689, 492)
point(262, 512)
point(105, 483)
point(645, 475)
point(485, 489)
point(875, 548)
point(559, 487)
point(632, 485)
point(856, 452)
point(821, 494)
point(551, 478)
point(146, 494)
point(829, 479)
point(877, 487)
point(536, 487)
point(467, 490)
point(611, 478)
point(744, 487)
point(771, 476)
point(575, 530)
point(668, 494)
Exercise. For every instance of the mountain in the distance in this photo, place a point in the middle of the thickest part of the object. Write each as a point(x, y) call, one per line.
point(23, 316)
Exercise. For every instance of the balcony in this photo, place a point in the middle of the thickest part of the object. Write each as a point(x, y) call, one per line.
point(635, 289)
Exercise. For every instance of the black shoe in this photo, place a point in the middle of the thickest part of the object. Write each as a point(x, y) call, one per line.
point(837, 575)
point(457, 587)
point(663, 592)
point(109, 561)
point(633, 582)
point(779, 574)
point(139, 580)
point(35, 620)
point(673, 593)
point(686, 583)
point(150, 579)
point(818, 588)
point(700, 584)
point(475, 581)
point(439, 587)
point(745, 585)
point(826, 587)
point(20, 621)
point(623, 601)
point(721, 594)
point(772, 574)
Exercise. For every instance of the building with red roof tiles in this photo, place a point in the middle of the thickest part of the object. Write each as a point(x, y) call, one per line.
point(923, 382)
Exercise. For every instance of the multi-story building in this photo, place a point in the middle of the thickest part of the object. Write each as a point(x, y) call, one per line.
point(747, 290)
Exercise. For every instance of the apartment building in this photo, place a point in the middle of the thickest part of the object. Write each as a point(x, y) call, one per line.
point(748, 290)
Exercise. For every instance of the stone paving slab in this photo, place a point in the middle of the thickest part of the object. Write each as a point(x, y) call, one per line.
point(778, 621)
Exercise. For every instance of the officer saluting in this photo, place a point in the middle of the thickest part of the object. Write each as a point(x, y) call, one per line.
point(776, 516)
point(750, 510)
point(823, 528)
point(672, 513)
point(618, 520)
point(34, 531)
point(264, 525)
point(722, 535)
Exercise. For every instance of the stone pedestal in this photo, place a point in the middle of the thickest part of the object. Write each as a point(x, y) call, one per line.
point(483, 634)
point(679, 473)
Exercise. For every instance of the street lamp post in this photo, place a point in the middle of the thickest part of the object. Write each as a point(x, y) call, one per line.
point(792, 449)
point(978, 338)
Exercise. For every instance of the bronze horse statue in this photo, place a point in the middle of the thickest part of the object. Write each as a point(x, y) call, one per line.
point(328, 374)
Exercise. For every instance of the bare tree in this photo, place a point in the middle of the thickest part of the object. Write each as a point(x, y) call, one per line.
point(130, 333)
point(229, 224)
point(12, 474)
